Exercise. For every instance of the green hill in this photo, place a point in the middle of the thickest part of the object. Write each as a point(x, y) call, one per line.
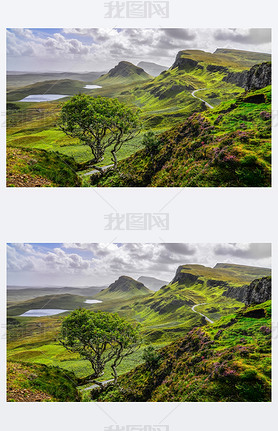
point(29, 167)
point(227, 361)
point(245, 58)
point(224, 58)
point(39, 383)
point(124, 73)
point(168, 312)
point(124, 287)
point(228, 146)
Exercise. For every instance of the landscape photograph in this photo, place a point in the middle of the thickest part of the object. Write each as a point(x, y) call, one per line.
point(138, 107)
point(139, 322)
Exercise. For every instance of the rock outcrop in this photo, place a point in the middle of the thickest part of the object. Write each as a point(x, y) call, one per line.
point(215, 68)
point(216, 283)
point(256, 292)
point(237, 78)
point(185, 278)
point(259, 76)
point(185, 63)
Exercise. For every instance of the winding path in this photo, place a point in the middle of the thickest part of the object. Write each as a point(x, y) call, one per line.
point(97, 386)
point(202, 100)
point(207, 318)
point(95, 170)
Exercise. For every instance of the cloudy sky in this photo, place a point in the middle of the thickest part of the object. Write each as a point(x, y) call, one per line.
point(101, 264)
point(100, 49)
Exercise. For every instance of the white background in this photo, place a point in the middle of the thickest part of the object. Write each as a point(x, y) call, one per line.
point(196, 215)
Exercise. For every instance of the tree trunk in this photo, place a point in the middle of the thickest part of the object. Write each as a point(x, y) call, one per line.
point(90, 379)
point(90, 164)
point(114, 374)
point(114, 159)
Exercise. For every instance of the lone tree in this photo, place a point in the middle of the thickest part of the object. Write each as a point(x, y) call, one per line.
point(99, 122)
point(99, 337)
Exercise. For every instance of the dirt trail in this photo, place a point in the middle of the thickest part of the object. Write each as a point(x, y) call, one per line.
point(207, 318)
point(202, 100)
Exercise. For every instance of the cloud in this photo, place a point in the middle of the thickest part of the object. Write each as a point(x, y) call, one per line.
point(252, 36)
point(102, 48)
point(250, 251)
point(99, 264)
point(179, 33)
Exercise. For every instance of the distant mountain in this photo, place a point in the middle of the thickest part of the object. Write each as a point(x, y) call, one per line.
point(152, 282)
point(124, 72)
point(152, 68)
point(124, 287)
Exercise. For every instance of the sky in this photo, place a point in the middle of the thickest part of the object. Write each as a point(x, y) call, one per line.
point(100, 49)
point(96, 264)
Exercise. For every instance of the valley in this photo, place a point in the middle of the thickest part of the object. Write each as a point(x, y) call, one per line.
point(217, 91)
point(199, 305)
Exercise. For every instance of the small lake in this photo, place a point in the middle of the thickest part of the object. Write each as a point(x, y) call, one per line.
point(42, 312)
point(90, 87)
point(92, 301)
point(42, 97)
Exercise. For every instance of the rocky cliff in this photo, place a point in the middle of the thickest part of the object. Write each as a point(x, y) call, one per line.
point(256, 292)
point(185, 63)
point(259, 76)
point(184, 277)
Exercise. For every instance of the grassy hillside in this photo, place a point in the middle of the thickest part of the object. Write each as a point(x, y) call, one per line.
point(33, 383)
point(226, 272)
point(39, 168)
point(246, 58)
point(230, 58)
point(229, 146)
point(227, 361)
point(124, 73)
point(125, 287)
